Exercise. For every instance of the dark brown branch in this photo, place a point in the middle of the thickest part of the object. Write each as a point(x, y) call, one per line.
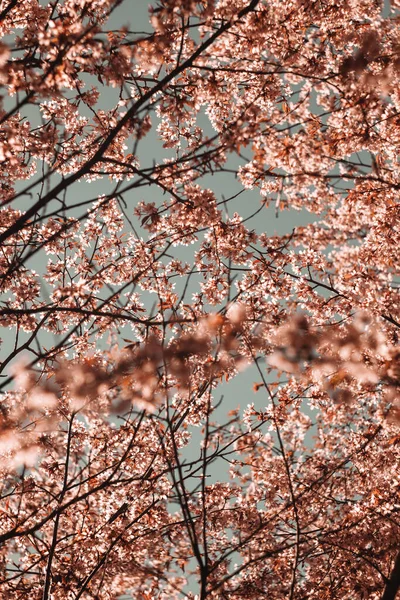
point(393, 585)
point(7, 9)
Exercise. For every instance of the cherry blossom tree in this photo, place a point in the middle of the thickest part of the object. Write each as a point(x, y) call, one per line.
point(132, 290)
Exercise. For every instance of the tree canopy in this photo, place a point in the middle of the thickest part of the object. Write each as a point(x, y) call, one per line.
point(142, 268)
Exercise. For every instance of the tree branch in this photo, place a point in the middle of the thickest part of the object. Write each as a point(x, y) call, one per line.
point(393, 584)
